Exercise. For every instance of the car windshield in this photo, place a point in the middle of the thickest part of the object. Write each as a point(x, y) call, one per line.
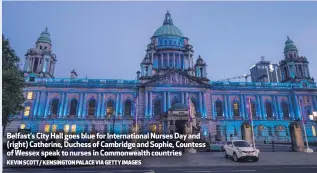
point(241, 144)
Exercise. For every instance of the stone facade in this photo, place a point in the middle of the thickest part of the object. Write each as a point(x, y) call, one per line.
point(168, 76)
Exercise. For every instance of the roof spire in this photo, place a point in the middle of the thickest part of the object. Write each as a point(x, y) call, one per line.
point(168, 19)
point(45, 28)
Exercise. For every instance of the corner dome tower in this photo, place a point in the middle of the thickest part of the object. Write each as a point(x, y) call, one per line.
point(289, 45)
point(168, 29)
point(45, 37)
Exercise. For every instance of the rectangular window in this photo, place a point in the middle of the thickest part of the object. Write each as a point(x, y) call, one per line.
point(22, 126)
point(27, 111)
point(47, 128)
point(66, 128)
point(73, 128)
point(54, 128)
point(313, 129)
point(29, 95)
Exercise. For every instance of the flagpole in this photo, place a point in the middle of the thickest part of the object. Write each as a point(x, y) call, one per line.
point(301, 113)
point(251, 119)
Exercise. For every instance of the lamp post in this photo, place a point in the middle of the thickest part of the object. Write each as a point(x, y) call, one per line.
point(308, 150)
point(313, 117)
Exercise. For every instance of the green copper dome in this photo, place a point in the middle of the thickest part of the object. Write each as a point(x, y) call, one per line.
point(168, 29)
point(289, 45)
point(45, 37)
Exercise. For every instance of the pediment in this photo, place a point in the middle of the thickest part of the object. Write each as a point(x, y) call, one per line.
point(175, 78)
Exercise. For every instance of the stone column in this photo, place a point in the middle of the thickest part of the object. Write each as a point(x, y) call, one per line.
point(291, 107)
point(146, 103)
point(84, 106)
point(174, 64)
point(179, 61)
point(277, 104)
point(36, 104)
point(121, 104)
point(168, 60)
point(243, 101)
point(162, 61)
point(98, 105)
point(186, 98)
point(151, 105)
point(314, 102)
point(258, 107)
point(164, 101)
point(182, 97)
point(262, 107)
point(297, 107)
point(117, 105)
point(229, 108)
point(200, 103)
point(102, 110)
point(80, 105)
point(60, 114)
point(65, 105)
point(226, 106)
point(42, 106)
point(168, 100)
point(205, 105)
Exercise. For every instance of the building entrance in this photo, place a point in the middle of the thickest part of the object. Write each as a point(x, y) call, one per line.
point(179, 126)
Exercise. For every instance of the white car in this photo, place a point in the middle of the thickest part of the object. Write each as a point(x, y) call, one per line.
point(240, 149)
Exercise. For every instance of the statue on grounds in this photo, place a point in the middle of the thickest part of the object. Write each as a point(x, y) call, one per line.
point(192, 114)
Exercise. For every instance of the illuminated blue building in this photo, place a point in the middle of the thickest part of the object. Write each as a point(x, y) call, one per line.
point(168, 77)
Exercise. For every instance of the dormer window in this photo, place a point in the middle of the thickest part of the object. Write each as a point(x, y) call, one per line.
point(40, 47)
point(45, 47)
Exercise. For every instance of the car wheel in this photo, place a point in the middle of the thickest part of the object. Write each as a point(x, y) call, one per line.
point(225, 154)
point(235, 157)
point(256, 159)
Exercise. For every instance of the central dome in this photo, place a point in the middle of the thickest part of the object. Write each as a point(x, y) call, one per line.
point(168, 29)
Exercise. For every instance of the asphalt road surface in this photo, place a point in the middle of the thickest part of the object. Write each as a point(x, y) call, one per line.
point(217, 169)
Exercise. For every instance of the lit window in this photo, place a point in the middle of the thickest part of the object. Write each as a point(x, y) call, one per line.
point(29, 95)
point(313, 129)
point(27, 111)
point(22, 126)
point(54, 127)
point(47, 128)
point(66, 128)
point(73, 128)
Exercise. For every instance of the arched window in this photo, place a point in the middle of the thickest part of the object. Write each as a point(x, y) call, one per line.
point(157, 107)
point(73, 107)
point(236, 109)
point(285, 109)
point(253, 109)
point(219, 108)
point(92, 107)
point(127, 107)
point(268, 108)
point(110, 107)
point(54, 107)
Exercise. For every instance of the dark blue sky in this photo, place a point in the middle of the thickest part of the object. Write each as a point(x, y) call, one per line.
point(108, 39)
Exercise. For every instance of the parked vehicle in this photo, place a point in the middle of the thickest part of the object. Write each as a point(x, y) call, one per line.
point(240, 150)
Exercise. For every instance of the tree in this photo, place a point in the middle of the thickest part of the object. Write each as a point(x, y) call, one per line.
point(13, 84)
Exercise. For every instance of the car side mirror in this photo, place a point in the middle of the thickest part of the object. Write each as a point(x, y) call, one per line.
point(230, 145)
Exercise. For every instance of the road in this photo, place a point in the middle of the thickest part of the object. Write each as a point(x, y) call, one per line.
point(213, 169)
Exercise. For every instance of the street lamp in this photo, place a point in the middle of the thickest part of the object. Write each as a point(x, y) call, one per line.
point(313, 117)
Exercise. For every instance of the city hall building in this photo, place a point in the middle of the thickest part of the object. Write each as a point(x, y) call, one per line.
point(171, 77)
